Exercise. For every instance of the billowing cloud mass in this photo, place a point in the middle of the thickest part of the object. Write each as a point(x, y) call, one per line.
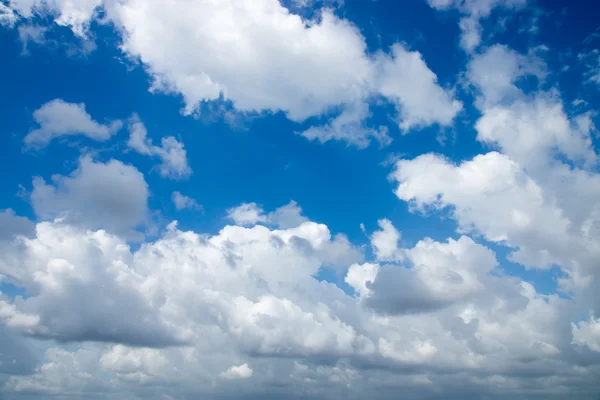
point(58, 118)
point(301, 74)
point(537, 194)
point(248, 296)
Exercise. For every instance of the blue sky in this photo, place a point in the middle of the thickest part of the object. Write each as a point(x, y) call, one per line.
point(435, 160)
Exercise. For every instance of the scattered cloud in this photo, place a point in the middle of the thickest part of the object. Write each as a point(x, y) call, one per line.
point(58, 118)
point(184, 202)
point(172, 152)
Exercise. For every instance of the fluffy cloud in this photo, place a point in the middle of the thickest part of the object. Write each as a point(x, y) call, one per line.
point(538, 194)
point(315, 67)
point(111, 196)
point(587, 333)
point(238, 372)
point(78, 283)
point(172, 152)
point(385, 241)
point(246, 214)
point(403, 77)
point(440, 274)
point(247, 296)
point(58, 118)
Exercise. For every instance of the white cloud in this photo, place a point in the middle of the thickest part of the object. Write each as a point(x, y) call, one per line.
point(287, 216)
point(246, 214)
point(184, 202)
point(496, 71)
point(172, 152)
point(385, 241)
point(313, 68)
point(231, 55)
point(249, 294)
point(58, 118)
point(238, 372)
point(76, 14)
point(587, 333)
point(349, 126)
point(361, 277)
point(111, 196)
point(490, 194)
point(539, 195)
point(404, 78)
point(284, 217)
point(591, 62)
point(78, 283)
point(441, 274)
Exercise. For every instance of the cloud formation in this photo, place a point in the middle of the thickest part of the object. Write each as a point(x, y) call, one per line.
point(301, 74)
point(58, 118)
point(172, 153)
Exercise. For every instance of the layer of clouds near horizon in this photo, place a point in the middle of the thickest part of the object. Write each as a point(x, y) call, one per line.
point(249, 293)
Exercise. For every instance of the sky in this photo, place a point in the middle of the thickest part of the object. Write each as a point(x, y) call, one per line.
point(299, 199)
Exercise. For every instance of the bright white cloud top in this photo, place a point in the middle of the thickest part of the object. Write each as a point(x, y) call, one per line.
point(104, 294)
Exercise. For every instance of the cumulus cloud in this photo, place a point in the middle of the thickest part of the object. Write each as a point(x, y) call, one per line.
point(587, 333)
point(183, 202)
point(440, 274)
point(249, 294)
point(403, 77)
point(58, 118)
point(172, 152)
point(537, 193)
point(111, 196)
point(303, 73)
point(238, 372)
point(246, 214)
point(78, 289)
point(385, 241)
